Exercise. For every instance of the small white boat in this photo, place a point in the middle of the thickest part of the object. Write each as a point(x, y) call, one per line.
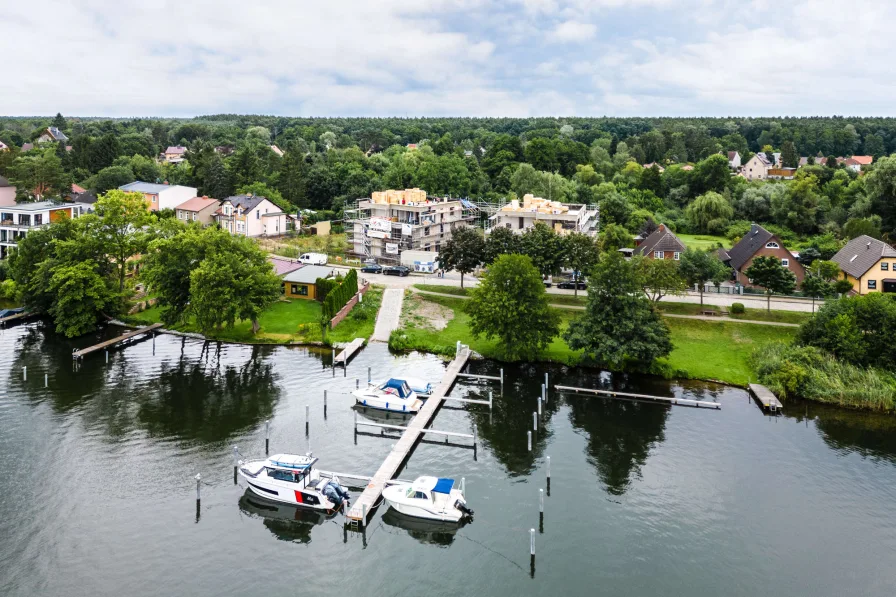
point(393, 394)
point(292, 479)
point(428, 497)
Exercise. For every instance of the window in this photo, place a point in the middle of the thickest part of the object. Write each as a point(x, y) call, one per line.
point(785, 262)
point(38, 219)
point(676, 255)
point(257, 214)
point(659, 255)
point(194, 216)
point(24, 220)
point(884, 266)
point(872, 284)
point(155, 198)
point(772, 245)
point(299, 290)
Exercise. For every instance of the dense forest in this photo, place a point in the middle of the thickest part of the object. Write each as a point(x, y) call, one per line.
point(327, 162)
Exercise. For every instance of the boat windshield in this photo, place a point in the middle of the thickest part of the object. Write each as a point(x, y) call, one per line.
point(398, 387)
point(415, 494)
point(291, 476)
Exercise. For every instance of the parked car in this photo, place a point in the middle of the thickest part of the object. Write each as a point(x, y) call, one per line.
point(313, 259)
point(372, 268)
point(396, 270)
point(572, 284)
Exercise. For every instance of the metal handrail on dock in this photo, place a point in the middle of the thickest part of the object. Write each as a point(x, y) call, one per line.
point(471, 436)
point(365, 504)
point(77, 354)
point(664, 399)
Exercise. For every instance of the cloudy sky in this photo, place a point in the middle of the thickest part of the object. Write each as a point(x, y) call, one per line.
point(448, 57)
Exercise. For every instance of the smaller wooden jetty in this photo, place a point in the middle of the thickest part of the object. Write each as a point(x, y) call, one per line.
point(348, 352)
point(369, 499)
point(646, 397)
point(16, 317)
point(78, 354)
point(766, 398)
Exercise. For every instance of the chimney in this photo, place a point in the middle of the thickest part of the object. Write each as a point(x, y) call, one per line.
point(661, 227)
point(868, 245)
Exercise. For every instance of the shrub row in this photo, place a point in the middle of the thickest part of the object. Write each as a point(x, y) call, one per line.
point(340, 294)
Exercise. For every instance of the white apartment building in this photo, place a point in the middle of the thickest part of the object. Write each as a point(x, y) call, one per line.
point(563, 218)
point(16, 221)
point(391, 222)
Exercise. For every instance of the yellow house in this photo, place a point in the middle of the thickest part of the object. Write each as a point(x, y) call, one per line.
point(301, 282)
point(868, 263)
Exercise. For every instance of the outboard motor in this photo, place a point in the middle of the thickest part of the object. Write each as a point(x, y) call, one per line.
point(463, 508)
point(332, 492)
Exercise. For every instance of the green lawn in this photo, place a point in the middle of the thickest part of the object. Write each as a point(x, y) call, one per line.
point(279, 323)
point(703, 241)
point(443, 289)
point(361, 321)
point(703, 349)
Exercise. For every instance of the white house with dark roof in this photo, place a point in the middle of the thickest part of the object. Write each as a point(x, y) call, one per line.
point(52, 134)
point(251, 215)
point(733, 160)
point(757, 167)
point(160, 196)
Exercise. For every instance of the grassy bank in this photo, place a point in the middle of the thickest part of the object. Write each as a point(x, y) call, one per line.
point(333, 245)
point(435, 324)
point(703, 241)
point(285, 321)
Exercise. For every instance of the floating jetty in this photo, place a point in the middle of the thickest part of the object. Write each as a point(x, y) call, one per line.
point(628, 395)
point(16, 317)
point(766, 397)
point(365, 504)
point(348, 352)
point(78, 354)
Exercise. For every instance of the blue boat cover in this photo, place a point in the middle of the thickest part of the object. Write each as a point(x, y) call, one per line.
point(443, 486)
point(399, 386)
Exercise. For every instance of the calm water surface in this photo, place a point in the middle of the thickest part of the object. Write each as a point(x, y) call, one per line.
point(97, 494)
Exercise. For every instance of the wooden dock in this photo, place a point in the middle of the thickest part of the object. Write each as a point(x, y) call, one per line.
point(77, 354)
point(17, 316)
point(348, 352)
point(766, 397)
point(660, 399)
point(365, 504)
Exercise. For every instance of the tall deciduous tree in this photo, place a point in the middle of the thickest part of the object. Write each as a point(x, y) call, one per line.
point(463, 252)
point(168, 263)
point(619, 323)
point(510, 304)
point(580, 253)
point(660, 277)
point(38, 175)
point(500, 241)
point(768, 273)
point(710, 213)
point(699, 267)
point(544, 247)
point(613, 237)
point(81, 293)
point(120, 229)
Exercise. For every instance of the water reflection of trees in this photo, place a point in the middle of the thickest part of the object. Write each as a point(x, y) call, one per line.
point(620, 435)
point(868, 433)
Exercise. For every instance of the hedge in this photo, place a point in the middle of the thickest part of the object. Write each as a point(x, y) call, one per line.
point(339, 295)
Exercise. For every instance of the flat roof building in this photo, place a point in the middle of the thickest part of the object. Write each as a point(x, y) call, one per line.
point(563, 218)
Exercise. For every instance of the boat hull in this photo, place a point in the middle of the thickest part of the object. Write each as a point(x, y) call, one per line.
point(286, 493)
point(443, 509)
point(389, 403)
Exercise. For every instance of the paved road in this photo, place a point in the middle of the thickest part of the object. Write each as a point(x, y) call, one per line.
point(389, 315)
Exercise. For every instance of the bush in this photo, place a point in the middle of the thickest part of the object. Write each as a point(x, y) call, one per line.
point(341, 294)
point(738, 308)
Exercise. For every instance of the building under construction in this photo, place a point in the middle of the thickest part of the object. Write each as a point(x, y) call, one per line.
point(390, 222)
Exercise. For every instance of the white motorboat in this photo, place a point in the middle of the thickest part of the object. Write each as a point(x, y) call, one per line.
point(393, 394)
point(428, 497)
point(292, 479)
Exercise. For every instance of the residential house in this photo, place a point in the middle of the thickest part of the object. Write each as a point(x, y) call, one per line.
point(661, 244)
point(390, 222)
point(224, 149)
point(198, 209)
point(160, 196)
point(563, 218)
point(79, 194)
point(856, 162)
point(687, 167)
point(3, 146)
point(321, 228)
point(17, 220)
point(26, 147)
point(757, 167)
point(759, 242)
point(277, 150)
point(302, 282)
point(7, 193)
point(52, 134)
point(781, 173)
point(175, 154)
point(652, 164)
point(733, 160)
point(251, 215)
point(868, 263)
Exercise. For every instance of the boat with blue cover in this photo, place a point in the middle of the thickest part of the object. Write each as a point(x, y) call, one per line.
point(392, 395)
point(292, 479)
point(431, 498)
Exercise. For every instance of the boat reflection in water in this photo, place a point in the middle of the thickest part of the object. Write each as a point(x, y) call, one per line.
point(384, 417)
point(284, 521)
point(429, 532)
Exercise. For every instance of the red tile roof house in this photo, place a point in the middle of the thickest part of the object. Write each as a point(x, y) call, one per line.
point(198, 209)
point(759, 242)
point(661, 244)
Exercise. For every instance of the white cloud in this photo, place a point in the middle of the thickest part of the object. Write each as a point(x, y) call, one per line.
point(573, 31)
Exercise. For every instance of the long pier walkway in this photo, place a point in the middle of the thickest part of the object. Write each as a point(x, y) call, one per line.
point(77, 354)
point(364, 505)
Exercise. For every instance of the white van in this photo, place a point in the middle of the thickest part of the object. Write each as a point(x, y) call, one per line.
point(313, 259)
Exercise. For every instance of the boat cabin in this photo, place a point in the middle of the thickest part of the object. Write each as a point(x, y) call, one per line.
point(398, 387)
point(290, 468)
point(424, 487)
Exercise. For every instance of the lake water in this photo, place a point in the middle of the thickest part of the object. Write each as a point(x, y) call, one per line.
point(97, 495)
